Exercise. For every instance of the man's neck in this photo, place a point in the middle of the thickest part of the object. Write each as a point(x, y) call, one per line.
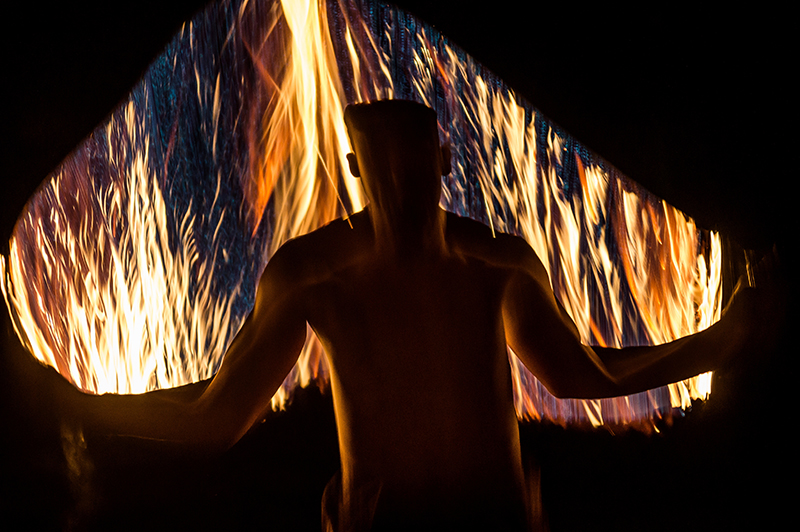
point(404, 239)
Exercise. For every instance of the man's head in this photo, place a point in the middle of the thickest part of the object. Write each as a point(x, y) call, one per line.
point(396, 152)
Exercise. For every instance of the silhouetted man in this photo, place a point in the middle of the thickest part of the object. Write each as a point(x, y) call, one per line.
point(415, 308)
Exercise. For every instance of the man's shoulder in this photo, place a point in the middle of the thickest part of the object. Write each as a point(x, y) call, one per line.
point(473, 238)
point(336, 229)
point(337, 237)
point(311, 255)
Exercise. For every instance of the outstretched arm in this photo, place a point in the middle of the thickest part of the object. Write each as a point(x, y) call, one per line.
point(546, 339)
point(214, 415)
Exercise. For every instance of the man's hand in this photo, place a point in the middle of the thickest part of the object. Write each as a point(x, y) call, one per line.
point(760, 302)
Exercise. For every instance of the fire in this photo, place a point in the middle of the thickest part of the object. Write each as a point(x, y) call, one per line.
point(109, 304)
point(134, 265)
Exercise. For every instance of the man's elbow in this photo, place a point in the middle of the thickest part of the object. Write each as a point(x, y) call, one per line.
point(561, 387)
point(212, 432)
point(571, 392)
point(566, 391)
point(208, 443)
point(577, 377)
point(559, 390)
point(215, 443)
point(576, 387)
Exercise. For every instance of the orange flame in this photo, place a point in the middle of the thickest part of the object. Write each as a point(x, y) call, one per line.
point(129, 325)
point(628, 268)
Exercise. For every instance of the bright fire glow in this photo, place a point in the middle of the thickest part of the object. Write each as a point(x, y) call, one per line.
point(134, 265)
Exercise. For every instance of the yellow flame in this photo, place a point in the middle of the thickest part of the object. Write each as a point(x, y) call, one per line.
point(302, 141)
point(129, 325)
point(675, 290)
point(125, 328)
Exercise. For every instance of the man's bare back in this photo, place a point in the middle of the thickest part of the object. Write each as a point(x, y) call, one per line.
point(419, 367)
point(415, 308)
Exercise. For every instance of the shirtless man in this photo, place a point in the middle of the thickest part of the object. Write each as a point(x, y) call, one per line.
point(414, 307)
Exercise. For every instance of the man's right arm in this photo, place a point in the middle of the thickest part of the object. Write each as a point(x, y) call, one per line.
point(214, 415)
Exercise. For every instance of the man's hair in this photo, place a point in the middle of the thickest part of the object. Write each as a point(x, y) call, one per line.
point(390, 117)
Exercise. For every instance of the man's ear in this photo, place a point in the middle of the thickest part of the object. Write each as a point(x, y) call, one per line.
point(446, 156)
point(352, 162)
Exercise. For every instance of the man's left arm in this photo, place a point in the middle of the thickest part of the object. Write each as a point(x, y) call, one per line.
point(546, 339)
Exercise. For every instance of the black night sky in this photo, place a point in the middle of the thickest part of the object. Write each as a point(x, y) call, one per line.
point(692, 102)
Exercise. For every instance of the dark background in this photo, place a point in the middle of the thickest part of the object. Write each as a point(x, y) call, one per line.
point(691, 102)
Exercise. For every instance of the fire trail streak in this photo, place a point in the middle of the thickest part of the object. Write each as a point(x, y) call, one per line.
point(136, 262)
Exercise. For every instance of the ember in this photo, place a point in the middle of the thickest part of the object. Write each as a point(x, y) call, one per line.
point(135, 264)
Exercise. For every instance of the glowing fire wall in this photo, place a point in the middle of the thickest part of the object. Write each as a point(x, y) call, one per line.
point(135, 263)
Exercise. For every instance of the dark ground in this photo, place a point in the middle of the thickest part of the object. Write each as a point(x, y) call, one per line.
point(692, 103)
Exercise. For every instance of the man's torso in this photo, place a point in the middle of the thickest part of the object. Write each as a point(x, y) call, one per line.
point(420, 375)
